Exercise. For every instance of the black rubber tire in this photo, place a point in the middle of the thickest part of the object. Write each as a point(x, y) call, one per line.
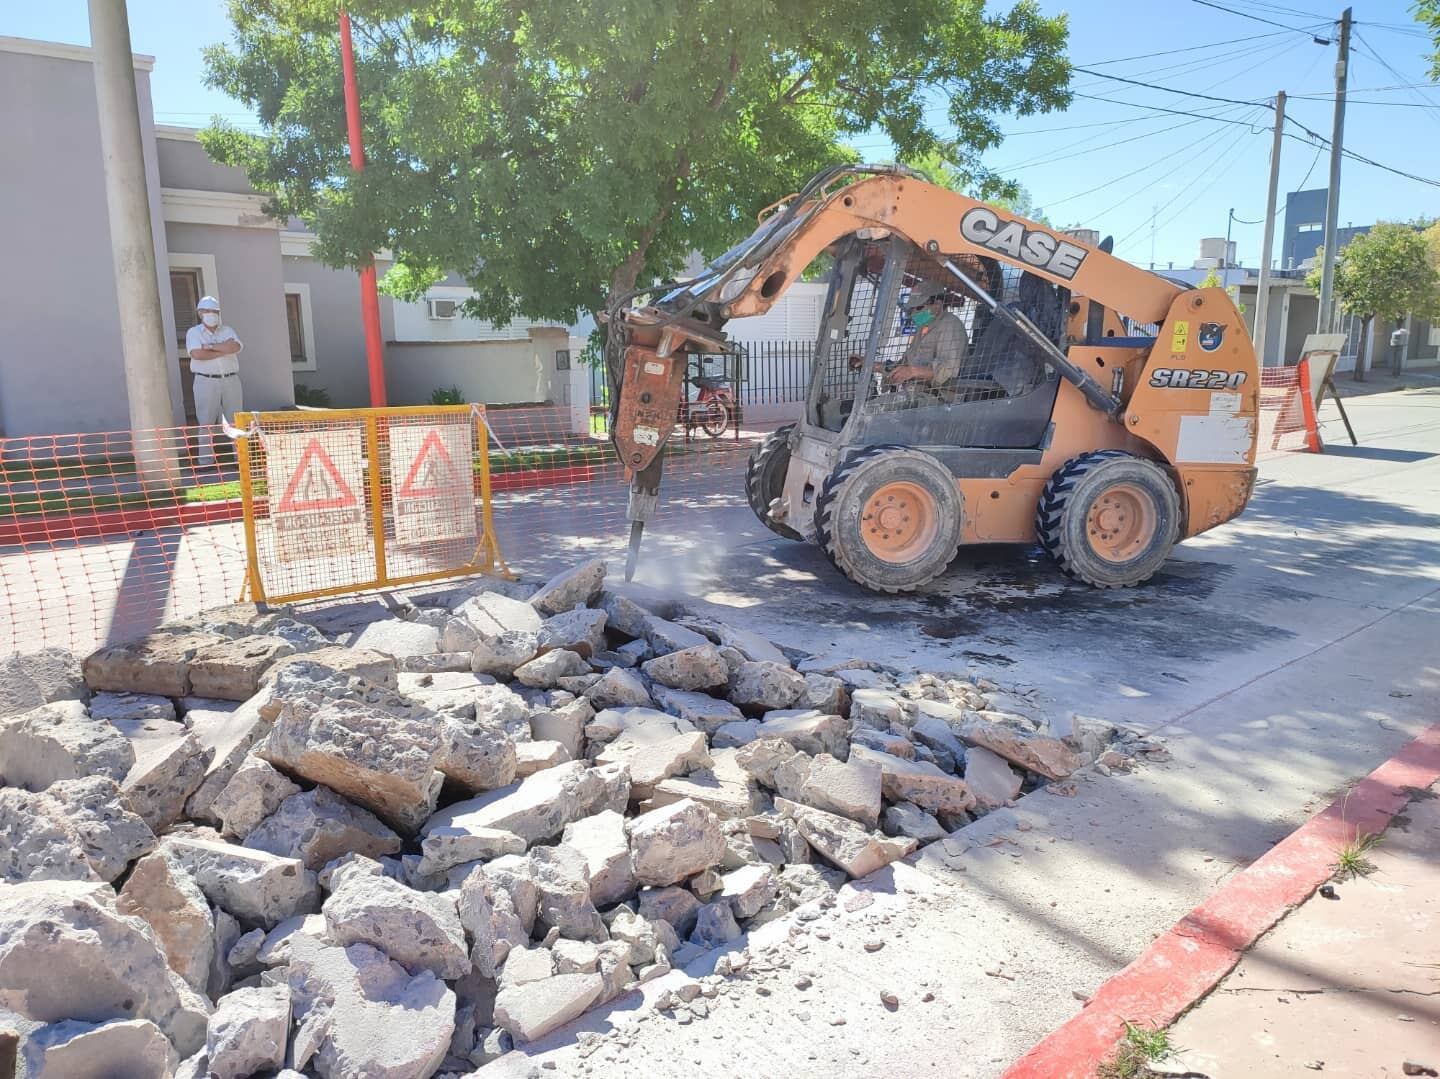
point(1060, 518)
point(842, 500)
point(765, 478)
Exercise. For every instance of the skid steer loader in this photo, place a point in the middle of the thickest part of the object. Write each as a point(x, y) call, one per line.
point(1067, 397)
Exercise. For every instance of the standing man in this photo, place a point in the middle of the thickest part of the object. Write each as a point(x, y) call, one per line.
point(214, 348)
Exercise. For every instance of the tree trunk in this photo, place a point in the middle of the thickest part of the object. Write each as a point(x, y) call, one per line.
point(1359, 373)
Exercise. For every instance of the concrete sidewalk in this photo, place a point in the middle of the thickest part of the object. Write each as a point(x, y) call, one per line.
point(1348, 986)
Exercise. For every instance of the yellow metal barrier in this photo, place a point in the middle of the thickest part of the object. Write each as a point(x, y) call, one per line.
point(345, 500)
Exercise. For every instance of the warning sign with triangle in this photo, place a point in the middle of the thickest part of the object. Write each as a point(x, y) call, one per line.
point(316, 484)
point(432, 473)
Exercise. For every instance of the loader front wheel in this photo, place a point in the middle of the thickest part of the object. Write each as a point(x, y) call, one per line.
point(1109, 518)
point(889, 519)
point(765, 478)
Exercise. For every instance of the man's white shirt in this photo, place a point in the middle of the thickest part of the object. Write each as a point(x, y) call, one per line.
point(203, 337)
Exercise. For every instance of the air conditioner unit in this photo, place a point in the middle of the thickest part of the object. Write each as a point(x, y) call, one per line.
point(443, 309)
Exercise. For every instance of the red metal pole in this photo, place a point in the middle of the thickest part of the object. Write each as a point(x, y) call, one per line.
point(369, 296)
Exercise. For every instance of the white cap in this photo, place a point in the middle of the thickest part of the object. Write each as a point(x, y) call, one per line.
point(208, 303)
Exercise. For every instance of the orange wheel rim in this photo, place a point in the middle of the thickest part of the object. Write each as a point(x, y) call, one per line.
point(1121, 522)
point(900, 522)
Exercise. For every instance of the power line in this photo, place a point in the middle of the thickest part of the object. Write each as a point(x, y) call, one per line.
point(1268, 22)
point(1189, 48)
point(1172, 112)
point(1169, 89)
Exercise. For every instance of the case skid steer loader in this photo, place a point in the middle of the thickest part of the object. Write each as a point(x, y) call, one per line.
point(1088, 405)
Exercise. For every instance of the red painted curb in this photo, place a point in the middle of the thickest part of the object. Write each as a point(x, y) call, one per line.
point(1187, 961)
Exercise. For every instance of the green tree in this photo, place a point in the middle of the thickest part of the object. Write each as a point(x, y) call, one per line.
point(1385, 273)
point(1428, 13)
point(554, 152)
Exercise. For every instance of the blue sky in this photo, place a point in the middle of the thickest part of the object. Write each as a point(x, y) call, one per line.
point(1082, 167)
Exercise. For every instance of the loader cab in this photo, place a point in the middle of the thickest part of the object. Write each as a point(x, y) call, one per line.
point(991, 390)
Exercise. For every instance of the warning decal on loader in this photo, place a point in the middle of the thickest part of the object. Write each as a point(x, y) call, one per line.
point(317, 479)
point(432, 492)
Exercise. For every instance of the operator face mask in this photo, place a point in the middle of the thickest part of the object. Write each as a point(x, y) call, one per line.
point(922, 318)
point(210, 318)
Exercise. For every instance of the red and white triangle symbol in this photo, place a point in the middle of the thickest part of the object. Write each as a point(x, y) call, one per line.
point(316, 484)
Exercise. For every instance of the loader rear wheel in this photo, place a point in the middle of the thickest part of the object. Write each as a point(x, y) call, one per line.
point(765, 478)
point(889, 518)
point(1109, 518)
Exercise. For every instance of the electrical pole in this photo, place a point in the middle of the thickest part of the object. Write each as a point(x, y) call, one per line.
point(1262, 298)
point(1325, 318)
point(132, 242)
point(369, 296)
point(1225, 254)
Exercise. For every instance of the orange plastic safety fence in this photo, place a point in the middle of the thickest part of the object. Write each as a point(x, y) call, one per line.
point(1287, 416)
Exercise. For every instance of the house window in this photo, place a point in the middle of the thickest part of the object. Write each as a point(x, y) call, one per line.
point(562, 359)
point(300, 322)
point(1309, 226)
point(185, 288)
point(444, 310)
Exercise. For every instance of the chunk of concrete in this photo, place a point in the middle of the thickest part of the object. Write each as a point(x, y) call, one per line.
point(879, 709)
point(655, 751)
point(664, 636)
point(532, 757)
point(170, 763)
point(232, 670)
point(248, 1032)
point(824, 693)
point(132, 1048)
point(674, 842)
point(445, 847)
point(1037, 753)
point(919, 782)
point(255, 791)
point(476, 754)
point(500, 656)
point(547, 671)
point(623, 615)
point(850, 788)
point(580, 631)
point(563, 881)
point(418, 929)
point(884, 742)
point(76, 829)
point(759, 687)
point(160, 891)
point(258, 888)
point(359, 1013)
point(60, 741)
point(577, 586)
point(275, 951)
point(490, 614)
point(230, 731)
point(808, 731)
point(384, 759)
point(41, 677)
point(563, 723)
point(377, 668)
point(112, 707)
point(66, 952)
point(399, 638)
point(748, 889)
point(532, 1010)
point(618, 688)
point(715, 925)
point(936, 735)
point(317, 826)
point(993, 782)
point(159, 663)
point(601, 841)
point(694, 668)
point(843, 842)
point(910, 821)
point(675, 906)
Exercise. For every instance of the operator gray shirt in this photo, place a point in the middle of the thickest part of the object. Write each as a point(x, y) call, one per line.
point(940, 346)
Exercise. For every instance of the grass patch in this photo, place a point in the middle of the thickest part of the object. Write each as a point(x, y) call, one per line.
point(64, 468)
point(1352, 861)
point(220, 492)
point(1139, 1047)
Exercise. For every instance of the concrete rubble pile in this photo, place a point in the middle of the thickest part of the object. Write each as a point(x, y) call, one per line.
point(399, 844)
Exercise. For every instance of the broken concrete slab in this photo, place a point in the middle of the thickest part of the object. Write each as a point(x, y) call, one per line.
point(111, 707)
point(60, 741)
point(700, 667)
point(748, 888)
point(735, 734)
point(919, 782)
point(232, 670)
point(248, 1032)
point(476, 754)
point(317, 826)
point(1037, 753)
point(884, 742)
point(78, 1050)
point(715, 925)
point(255, 791)
point(160, 891)
point(170, 763)
point(700, 710)
point(808, 731)
point(623, 615)
point(258, 888)
point(675, 906)
point(655, 751)
point(359, 1013)
point(384, 759)
point(910, 821)
point(563, 880)
point(275, 951)
point(532, 757)
point(993, 782)
point(610, 723)
point(158, 663)
point(66, 951)
point(420, 930)
point(230, 731)
point(825, 693)
point(502, 655)
point(664, 636)
point(76, 829)
point(600, 839)
point(532, 1010)
point(581, 631)
point(399, 638)
point(618, 688)
point(50, 674)
point(674, 842)
point(547, 671)
point(36, 844)
point(374, 667)
point(579, 585)
point(758, 687)
point(563, 723)
point(490, 614)
point(849, 788)
point(843, 842)
point(878, 709)
point(936, 735)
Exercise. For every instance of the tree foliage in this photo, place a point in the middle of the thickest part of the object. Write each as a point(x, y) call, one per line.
point(551, 151)
point(1428, 12)
point(1385, 273)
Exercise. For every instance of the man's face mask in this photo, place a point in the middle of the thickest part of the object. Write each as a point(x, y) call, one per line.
point(210, 318)
point(923, 318)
